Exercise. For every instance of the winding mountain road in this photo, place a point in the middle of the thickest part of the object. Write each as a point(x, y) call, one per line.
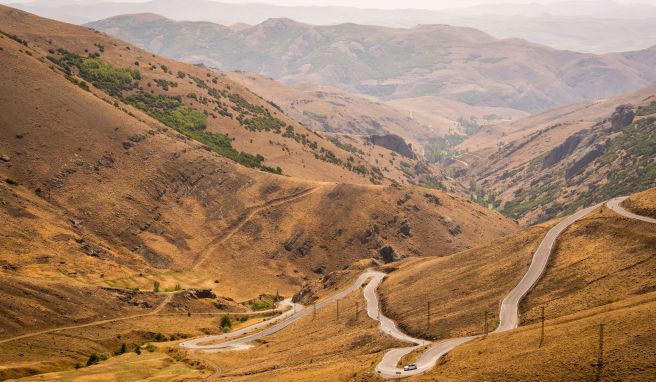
point(616, 205)
point(297, 312)
point(388, 366)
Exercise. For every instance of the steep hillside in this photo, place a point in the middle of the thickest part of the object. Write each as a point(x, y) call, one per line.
point(601, 272)
point(140, 201)
point(588, 26)
point(202, 104)
point(570, 157)
point(328, 109)
point(461, 64)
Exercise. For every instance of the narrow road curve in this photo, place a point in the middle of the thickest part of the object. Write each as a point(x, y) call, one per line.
point(508, 315)
point(616, 205)
point(292, 315)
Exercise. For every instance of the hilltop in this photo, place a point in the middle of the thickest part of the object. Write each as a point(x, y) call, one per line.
point(457, 63)
point(117, 184)
point(571, 157)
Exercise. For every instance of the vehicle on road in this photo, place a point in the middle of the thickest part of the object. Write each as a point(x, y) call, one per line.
point(412, 366)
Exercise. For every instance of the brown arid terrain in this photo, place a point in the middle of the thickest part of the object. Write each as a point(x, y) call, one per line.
point(601, 259)
point(327, 109)
point(240, 120)
point(461, 64)
point(550, 164)
point(145, 201)
point(601, 272)
point(123, 215)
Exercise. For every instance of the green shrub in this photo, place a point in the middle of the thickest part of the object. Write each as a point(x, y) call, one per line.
point(159, 337)
point(156, 286)
point(111, 79)
point(12, 181)
point(121, 350)
point(151, 348)
point(94, 358)
point(15, 38)
point(226, 323)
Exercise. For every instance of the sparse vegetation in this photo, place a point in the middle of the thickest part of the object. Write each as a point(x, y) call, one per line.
point(94, 358)
point(15, 38)
point(122, 350)
point(226, 323)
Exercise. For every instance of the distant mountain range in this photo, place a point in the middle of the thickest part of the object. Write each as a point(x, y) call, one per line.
point(585, 26)
point(461, 64)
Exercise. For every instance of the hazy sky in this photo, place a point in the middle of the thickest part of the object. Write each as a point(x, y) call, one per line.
point(387, 4)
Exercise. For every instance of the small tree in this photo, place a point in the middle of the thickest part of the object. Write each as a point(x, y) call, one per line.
point(121, 350)
point(137, 349)
point(94, 358)
point(226, 323)
point(156, 287)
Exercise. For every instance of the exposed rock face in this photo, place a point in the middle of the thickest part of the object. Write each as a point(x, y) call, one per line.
point(5, 158)
point(580, 164)
point(388, 254)
point(200, 293)
point(622, 117)
point(305, 295)
point(562, 151)
point(405, 228)
point(395, 143)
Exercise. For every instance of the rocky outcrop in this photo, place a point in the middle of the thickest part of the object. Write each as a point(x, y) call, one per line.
point(562, 151)
point(388, 254)
point(200, 293)
point(395, 143)
point(622, 117)
point(580, 164)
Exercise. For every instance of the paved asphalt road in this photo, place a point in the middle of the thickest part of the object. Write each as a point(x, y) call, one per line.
point(387, 368)
point(290, 316)
point(615, 205)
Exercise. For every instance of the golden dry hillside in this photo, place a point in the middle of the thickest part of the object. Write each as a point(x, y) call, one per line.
point(601, 271)
point(202, 104)
point(132, 195)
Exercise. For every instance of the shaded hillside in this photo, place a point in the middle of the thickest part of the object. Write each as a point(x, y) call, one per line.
point(461, 64)
point(600, 272)
point(201, 104)
point(568, 158)
point(108, 197)
point(589, 26)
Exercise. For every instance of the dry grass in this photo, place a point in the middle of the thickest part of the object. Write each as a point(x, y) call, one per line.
point(601, 259)
point(322, 349)
point(569, 352)
point(643, 203)
point(460, 287)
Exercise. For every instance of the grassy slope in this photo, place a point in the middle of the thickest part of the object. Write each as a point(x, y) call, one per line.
point(110, 197)
point(602, 271)
point(329, 350)
point(643, 203)
point(460, 287)
point(46, 37)
point(609, 160)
